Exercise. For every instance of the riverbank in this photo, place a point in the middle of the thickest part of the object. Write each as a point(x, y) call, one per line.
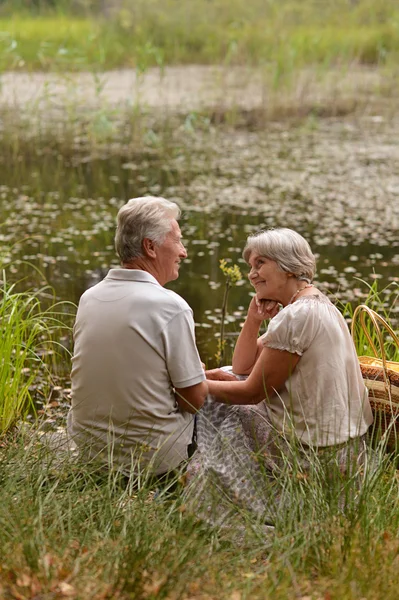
point(195, 88)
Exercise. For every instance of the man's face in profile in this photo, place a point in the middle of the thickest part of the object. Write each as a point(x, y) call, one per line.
point(170, 254)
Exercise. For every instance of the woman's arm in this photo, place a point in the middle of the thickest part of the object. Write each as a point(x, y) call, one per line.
point(268, 376)
point(249, 347)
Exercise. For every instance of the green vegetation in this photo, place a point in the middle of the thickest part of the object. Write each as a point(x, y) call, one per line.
point(375, 301)
point(29, 339)
point(232, 275)
point(280, 36)
point(69, 530)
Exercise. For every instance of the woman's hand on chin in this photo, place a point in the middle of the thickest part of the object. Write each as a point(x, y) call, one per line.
point(262, 309)
point(219, 375)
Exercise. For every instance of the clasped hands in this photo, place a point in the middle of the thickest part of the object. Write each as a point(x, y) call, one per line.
point(218, 374)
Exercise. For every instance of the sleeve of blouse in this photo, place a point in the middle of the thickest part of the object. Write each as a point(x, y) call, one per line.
point(293, 329)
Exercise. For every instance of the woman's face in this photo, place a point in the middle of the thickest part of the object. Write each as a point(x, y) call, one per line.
point(267, 278)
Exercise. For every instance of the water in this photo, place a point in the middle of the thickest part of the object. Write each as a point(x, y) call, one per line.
point(337, 184)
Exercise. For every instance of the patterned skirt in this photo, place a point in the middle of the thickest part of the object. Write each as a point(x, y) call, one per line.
point(241, 462)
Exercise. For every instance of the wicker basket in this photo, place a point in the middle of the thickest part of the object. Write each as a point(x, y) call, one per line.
point(381, 378)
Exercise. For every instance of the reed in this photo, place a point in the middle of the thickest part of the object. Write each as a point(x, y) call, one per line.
point(28, 346)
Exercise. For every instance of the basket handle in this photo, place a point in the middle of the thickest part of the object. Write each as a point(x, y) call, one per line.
point(360, 312)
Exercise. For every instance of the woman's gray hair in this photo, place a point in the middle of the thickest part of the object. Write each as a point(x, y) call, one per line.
point(287, 248)
point(146, 217)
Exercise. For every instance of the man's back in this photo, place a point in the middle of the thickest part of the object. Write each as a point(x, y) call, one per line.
point(134, 342)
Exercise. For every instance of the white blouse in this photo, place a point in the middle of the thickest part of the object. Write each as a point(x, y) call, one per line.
point(324, 401)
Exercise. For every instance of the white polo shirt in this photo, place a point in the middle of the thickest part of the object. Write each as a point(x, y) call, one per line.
point(134, 342)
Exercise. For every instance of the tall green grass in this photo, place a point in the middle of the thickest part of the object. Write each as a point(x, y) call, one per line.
point(377, 300)
point(29, 343)
point(285, 35)
point(69, 529)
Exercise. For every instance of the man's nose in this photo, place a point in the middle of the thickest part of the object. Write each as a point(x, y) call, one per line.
point(183, 251)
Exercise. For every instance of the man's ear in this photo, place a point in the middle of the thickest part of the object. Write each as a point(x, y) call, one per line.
point(149, 248)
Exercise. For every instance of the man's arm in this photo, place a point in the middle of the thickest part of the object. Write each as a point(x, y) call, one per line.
point(190, 399)
point(183, 362)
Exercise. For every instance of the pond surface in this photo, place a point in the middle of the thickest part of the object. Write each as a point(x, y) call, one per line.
point(334, 181)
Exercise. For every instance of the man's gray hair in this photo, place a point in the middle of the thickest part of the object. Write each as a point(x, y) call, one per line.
point(146, 217)
point(287, 248)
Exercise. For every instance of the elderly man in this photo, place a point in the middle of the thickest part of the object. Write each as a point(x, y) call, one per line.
point(137, 378)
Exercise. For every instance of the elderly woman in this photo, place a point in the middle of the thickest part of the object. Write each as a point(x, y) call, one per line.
point(303, 386)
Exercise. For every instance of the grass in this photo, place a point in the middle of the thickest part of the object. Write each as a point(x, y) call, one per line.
point(29, 340)
point(284, 36)
point(70, 530)
point(375, 300)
